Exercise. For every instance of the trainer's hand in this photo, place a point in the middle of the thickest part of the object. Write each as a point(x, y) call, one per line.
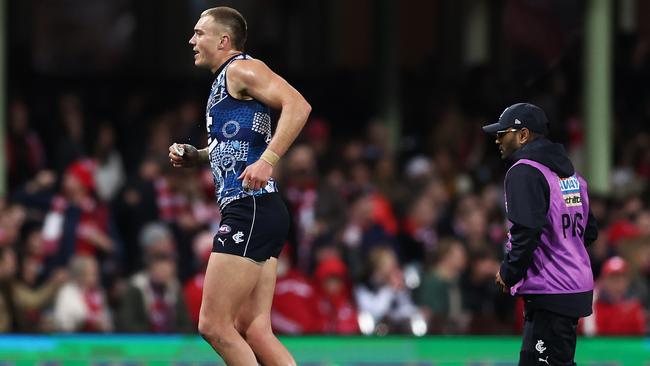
point(499, 281)
point(256, 175)
point(183, 155)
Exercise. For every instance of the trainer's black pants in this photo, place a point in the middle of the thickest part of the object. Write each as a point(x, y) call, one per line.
point(549, 339)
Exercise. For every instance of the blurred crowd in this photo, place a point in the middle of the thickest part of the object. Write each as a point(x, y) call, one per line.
point(377, 245)
point(99, 234)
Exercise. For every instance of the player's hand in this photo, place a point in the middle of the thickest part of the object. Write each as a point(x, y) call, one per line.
point(183, 155)
point(256, 175)
point(499, 281)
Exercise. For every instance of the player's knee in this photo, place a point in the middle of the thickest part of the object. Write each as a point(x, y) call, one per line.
point(258, 332)
point(213, 331)
point(205, 330)
point(260, 337)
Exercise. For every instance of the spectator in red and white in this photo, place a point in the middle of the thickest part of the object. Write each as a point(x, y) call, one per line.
point(156, 238)
point(78, 222)
point(193, 288)
point(617, 309)
point(153, 301)
point(80, 305)
point(295, 301)
point(335, 302)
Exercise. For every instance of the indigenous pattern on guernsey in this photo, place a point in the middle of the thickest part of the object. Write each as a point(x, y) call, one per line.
point(238, 133)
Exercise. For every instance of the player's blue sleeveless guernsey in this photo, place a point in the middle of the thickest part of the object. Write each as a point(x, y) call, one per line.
point(238, 133)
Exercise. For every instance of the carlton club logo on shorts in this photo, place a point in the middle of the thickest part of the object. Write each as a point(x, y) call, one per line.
point(570, 188)
point(224, 229)
point(238, 237)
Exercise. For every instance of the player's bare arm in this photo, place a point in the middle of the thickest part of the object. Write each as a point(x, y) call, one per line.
point(253, 79)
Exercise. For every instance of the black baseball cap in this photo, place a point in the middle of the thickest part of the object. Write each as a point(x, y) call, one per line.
point(518, 116)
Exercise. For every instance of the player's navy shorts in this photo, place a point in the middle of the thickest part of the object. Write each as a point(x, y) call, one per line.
point(254, 227)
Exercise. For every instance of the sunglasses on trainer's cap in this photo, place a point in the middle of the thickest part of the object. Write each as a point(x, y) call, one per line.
point(502, 133)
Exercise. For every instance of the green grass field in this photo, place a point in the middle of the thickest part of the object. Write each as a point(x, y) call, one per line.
point(141, 350)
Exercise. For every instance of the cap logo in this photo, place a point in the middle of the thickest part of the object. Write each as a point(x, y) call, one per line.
point(517, 122)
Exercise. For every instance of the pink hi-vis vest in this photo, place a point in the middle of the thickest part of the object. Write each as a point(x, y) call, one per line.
point(560, 264)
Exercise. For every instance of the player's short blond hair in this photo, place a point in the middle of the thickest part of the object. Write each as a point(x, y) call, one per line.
point(234, 23)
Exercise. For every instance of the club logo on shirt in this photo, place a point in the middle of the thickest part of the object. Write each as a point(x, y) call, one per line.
point(238, 237)
point(224, 229)
point(570, 189)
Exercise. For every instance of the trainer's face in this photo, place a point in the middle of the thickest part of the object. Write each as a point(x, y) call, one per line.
point(508, 142)
point(206, 42)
